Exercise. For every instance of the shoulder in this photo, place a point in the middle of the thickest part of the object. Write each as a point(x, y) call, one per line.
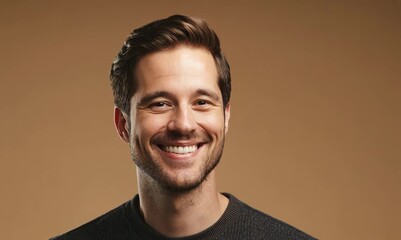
point(112, 223)
point(259, 225)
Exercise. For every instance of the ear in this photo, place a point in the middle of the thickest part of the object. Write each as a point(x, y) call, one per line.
point(121, 124)
point(227, 112)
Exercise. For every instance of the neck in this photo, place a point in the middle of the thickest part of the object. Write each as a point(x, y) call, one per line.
point(178, 214)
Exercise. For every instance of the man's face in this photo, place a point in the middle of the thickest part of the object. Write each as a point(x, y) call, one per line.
point(178, 123)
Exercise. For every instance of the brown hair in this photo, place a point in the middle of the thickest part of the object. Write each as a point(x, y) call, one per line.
point(159, 35)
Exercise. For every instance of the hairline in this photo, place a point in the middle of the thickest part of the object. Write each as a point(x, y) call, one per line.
point(185, 43)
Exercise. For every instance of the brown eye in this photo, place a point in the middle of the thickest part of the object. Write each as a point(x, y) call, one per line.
point(159, 106)
point(202, 105)
point(201, 102)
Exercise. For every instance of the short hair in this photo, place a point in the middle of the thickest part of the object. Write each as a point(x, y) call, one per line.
point(160, 35)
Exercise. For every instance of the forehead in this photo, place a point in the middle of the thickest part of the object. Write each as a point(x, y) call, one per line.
point(182, 64)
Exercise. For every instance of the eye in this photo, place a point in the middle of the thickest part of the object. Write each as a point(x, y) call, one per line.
point(202, 105)
point(159, 106)
point(201, 102)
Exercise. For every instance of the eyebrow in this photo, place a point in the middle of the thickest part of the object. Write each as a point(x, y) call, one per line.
point(164, 94)
point(149, 97)
point(208, 93)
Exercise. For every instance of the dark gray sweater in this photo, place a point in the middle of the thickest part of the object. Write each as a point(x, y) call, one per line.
point(239, 222)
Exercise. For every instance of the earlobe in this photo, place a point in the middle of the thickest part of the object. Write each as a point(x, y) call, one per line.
point(120, 122)
point(227, 112)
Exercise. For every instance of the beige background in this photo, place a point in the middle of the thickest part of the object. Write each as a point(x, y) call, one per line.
point(315, 133)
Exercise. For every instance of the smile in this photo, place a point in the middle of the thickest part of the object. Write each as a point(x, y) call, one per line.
point(180, 149)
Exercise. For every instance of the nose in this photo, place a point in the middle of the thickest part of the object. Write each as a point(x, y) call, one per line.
point(182, 121)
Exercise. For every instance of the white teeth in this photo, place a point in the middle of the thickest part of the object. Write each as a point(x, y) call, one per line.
point(181, 150)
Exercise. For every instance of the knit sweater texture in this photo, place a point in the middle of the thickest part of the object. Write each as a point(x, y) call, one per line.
point(238, 222)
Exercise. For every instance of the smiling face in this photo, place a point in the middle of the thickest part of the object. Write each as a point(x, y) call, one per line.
point(178, 123)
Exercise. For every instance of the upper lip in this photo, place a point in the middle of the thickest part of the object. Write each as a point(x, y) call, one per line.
point(166, 140)
point(179, 144)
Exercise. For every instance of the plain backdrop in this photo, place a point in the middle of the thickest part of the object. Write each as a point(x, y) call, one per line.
point(314, 137)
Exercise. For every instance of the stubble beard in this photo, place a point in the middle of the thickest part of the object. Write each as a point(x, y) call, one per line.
point(145, 162)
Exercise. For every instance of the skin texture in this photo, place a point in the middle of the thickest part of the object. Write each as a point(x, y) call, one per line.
point(178, 104)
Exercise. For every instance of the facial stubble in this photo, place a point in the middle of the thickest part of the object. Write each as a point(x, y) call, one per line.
point(160, 176)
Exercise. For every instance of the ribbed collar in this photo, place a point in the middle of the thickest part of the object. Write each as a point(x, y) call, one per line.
point(141, 228)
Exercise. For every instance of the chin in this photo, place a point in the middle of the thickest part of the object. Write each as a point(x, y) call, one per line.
point(184, 186)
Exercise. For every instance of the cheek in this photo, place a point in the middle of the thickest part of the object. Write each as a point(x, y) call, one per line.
point(148, 125)
point(213, 123)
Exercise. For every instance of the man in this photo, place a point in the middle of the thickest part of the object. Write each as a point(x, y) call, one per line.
point(172, 85)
